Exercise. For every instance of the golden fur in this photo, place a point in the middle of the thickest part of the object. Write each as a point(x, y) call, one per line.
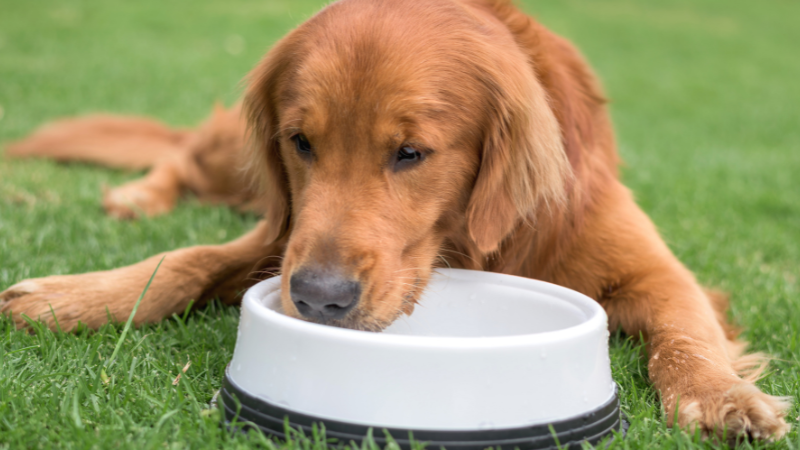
point(519, 177)
point(206, 161)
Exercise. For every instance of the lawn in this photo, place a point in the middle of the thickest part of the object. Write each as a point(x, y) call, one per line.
point(704, 95)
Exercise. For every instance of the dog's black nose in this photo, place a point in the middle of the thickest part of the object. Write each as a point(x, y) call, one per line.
point(323, 294)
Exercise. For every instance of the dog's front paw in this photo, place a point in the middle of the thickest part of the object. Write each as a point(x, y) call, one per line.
point(740, 411)
point(135, 199)
point(57, 298)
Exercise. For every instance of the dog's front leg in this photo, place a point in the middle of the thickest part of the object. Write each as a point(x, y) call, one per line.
point(698, 368)
point(700, 371)
point(692, 364)
point(189, 274)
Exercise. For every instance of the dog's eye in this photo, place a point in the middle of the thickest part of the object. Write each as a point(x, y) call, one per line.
point(302, 145)
point(407, 157)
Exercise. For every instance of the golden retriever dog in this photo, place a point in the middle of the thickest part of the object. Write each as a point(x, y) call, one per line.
point(389, 134)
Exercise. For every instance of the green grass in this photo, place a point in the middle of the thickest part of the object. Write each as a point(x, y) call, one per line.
point(704, 96)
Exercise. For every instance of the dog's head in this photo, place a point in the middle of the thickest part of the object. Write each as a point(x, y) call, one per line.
point(383, 130)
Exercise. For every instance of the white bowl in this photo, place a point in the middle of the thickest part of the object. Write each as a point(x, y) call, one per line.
point(481, 352)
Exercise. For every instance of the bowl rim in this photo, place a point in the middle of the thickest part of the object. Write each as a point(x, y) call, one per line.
point(596, 317)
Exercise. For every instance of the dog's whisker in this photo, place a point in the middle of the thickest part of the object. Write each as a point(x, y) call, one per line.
point(449, 250)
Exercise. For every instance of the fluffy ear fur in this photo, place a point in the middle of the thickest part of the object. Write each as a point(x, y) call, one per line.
point(524, 170)
point(266, 165)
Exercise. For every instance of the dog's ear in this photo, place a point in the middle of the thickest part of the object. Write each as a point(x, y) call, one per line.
point(524, 170)
point(265, 163)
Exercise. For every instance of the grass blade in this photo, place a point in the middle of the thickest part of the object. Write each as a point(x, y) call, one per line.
point(133, 313)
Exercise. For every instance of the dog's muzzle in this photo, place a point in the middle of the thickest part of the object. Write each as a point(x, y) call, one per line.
point(323, 294)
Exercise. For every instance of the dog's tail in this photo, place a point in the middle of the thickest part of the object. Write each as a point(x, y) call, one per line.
point(108, 140)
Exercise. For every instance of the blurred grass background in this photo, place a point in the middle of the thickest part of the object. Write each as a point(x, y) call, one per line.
point(705, 99)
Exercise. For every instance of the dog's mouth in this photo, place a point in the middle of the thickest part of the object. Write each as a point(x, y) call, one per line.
point(356, 320)
point(364, 318)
